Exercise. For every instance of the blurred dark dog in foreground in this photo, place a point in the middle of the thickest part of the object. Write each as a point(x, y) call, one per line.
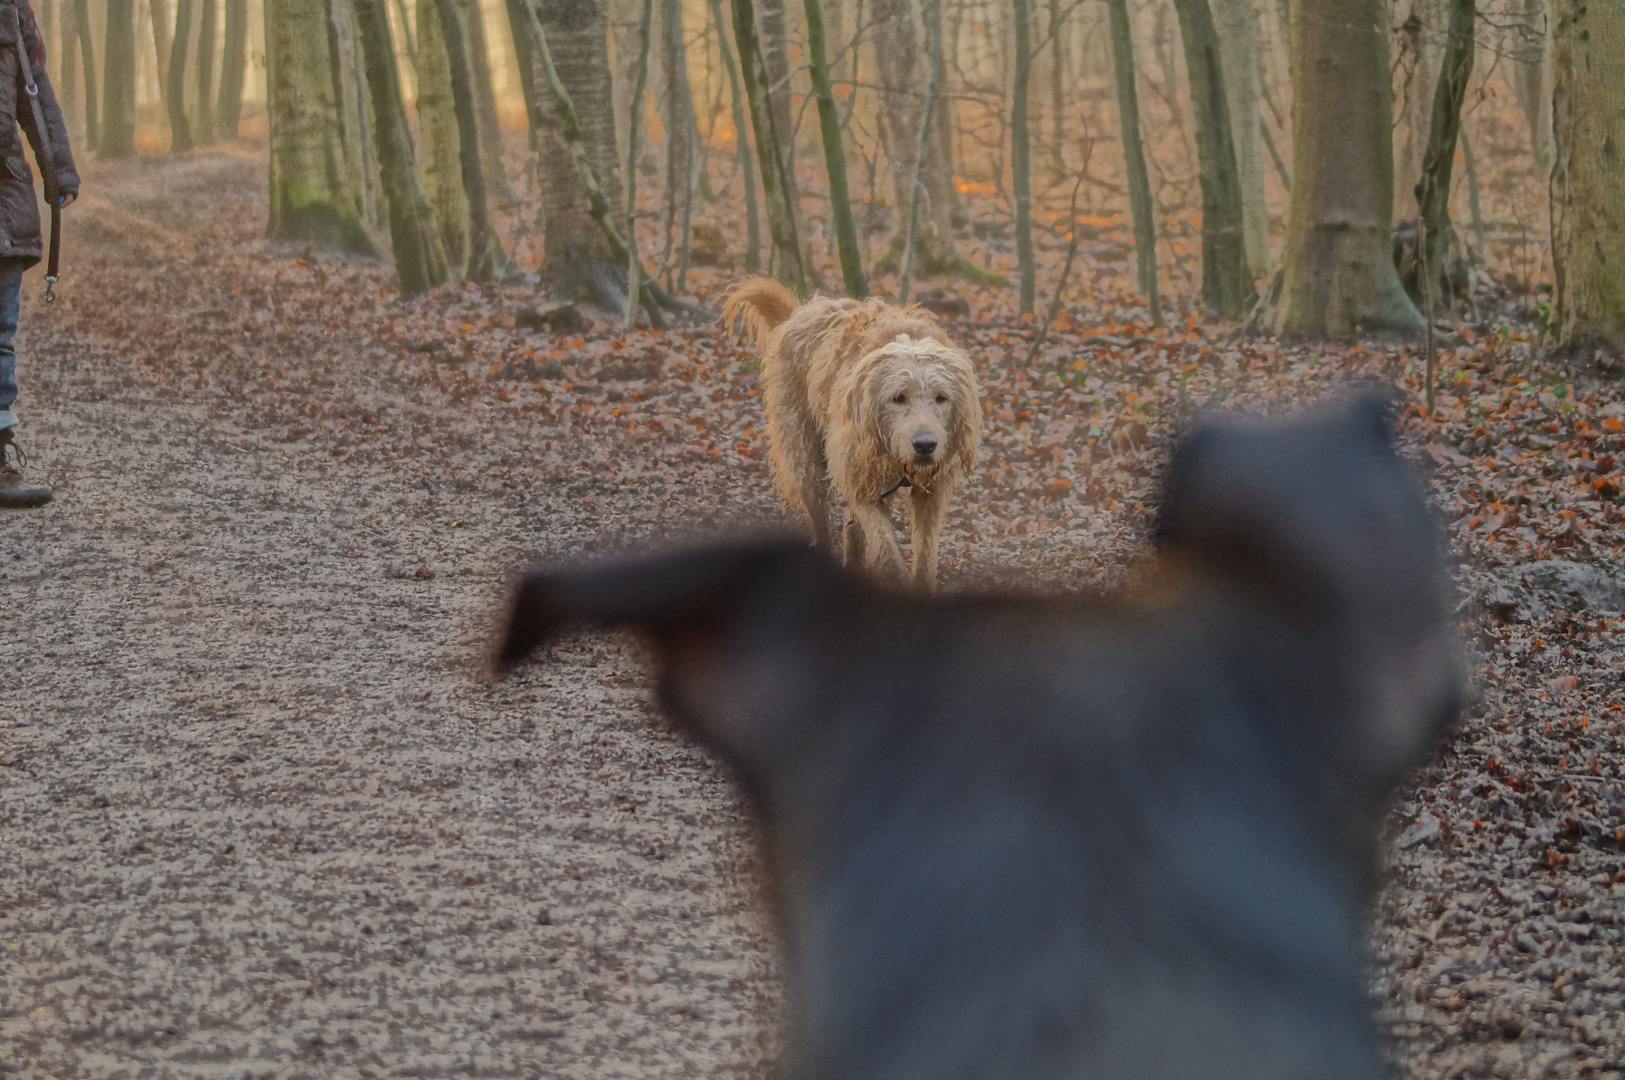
point(1035, 838)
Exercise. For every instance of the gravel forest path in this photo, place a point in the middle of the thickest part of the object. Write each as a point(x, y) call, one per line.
point(262, 814)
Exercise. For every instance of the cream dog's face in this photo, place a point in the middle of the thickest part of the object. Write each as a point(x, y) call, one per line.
point(922, 396)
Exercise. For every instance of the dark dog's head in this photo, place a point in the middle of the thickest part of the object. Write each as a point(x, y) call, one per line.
point(1021, 838)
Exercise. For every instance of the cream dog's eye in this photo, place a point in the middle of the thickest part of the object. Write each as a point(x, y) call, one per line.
point(941, 398)
point(899, 399)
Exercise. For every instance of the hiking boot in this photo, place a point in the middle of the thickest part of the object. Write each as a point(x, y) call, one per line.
point(16, 493)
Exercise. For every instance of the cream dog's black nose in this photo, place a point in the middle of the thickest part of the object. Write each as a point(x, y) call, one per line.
point(925, 444)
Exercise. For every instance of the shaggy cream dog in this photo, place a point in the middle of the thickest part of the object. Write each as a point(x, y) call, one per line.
point(864, 398)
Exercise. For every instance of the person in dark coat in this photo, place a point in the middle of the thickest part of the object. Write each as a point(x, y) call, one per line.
point(22, 74)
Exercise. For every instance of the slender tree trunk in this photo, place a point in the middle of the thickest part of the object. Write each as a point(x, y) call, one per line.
point(485, 102)
point(203, 87)
point(229, 108)
point(1338, 271)
point(162, 27)
point(1057, 83)
point(1227, 285)
point(1238, 51)
point(916, 188)
point(482, 243)
point(634, 132)
point(829, 122)
point(1532, 77)
point(679, 152)
point(406, 33)
point(314, 195)
point(1433, 191)
point(180, 128)
point(1139, 180)
point(118, 106)
point(785, 264)
point(1472, 193)
point(68, 94)
point(1021, 158)
point(1588, 200)
point(420, 259)
point(354, 114)
point(517, 19)
point(747, 166)
point(437, 127)
point(87, 56)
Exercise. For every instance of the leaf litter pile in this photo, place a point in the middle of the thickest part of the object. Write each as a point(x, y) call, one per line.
point(498, 428)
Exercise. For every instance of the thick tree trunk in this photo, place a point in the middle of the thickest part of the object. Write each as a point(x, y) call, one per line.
point(585, 20)
point(203, 84)
point(483, 247)
point(1021, 158)
point(1433, 191)
point(1338, 271)
point(773, 33)
point(1588, 200)
point(87, 56)
point(162, 28)
point(785, 263)
point(742, 147)
point(1227, 285)
point(180, 127)
point(897, 34)
point(315, 197)
point(420, 259)
point(355, 115)
point(829, 122)
point(1238, 51)
point(1420, 33)
point(485, 101)
point(229, 108)
point(1532, 77)
point(118, 106)
point(437, 127)
point(1139, 180)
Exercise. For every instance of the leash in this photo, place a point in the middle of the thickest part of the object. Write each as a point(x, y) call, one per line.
point(903, 483)
point(48, 155)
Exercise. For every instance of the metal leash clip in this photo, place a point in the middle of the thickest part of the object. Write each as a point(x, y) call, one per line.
point(50, 294)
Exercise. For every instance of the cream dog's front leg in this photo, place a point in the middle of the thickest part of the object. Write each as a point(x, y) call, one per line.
point(927, 509)
point(880, 545)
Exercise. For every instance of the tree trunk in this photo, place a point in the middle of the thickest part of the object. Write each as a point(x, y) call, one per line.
point(420, 259)
point(1238, 51)
point(518, 16)
point(68, 94)
point(1419, 34)
point(1433, 192)
point(87, 56)
point(229, 108)
point(1338, 271)
point(1227, 285)
point(1021, 158)
point(911, 241)
point(485, 102)
point(162, 28)
point(1057, 82)
point(1588, 200)
point(829, 122)
point(1532, 78)
point(180, 128)
point(785, 264)
point(315, 198)
point(634, 132)
point(482, 242)
point(584, 21)
point(903, 58)
point(355, 114)
point(437, 127)
point(747, 166)
point(679, 150)
point(1139, 180)
point(118, 106)
point(774, 32)
point(203, 87)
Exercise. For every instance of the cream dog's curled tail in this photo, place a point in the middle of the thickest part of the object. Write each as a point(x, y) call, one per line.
point(759, 304)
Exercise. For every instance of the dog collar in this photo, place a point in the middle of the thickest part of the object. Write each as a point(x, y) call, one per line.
point(905, 482)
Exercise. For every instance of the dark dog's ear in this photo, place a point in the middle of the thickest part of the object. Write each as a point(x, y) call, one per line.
point(732, 624)
point(1317, 512)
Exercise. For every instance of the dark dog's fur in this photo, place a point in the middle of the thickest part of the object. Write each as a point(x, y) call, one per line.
point(1025, 838)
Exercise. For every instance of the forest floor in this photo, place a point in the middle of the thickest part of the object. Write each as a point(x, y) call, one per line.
point(262, 814)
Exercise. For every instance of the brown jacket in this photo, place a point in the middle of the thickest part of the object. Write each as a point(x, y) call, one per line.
point(19, 212)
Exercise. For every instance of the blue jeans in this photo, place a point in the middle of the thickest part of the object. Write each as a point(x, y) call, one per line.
point(11, 287)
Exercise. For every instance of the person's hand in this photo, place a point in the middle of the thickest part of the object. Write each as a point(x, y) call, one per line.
point(68, 197)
